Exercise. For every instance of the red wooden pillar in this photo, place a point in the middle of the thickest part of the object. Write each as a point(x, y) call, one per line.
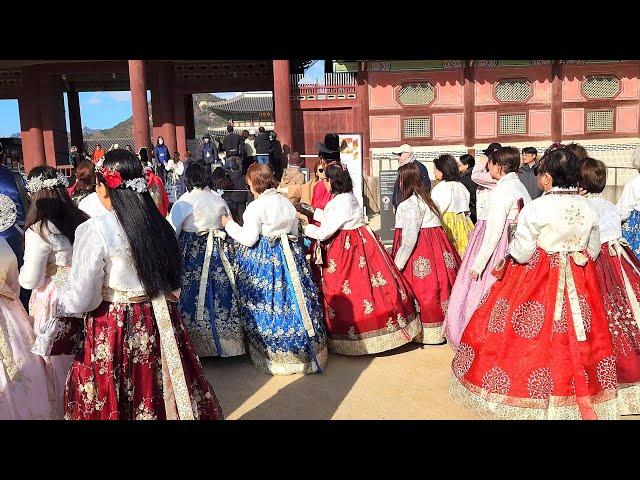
point(31, 120)
point(166, 99)
point(181, 136)
point(362, 94)
point(282, 103)
point(138, 87)
point(469, 106)
point(189, 118)
point(75, 119)
point(556, 101)
point(54, 123)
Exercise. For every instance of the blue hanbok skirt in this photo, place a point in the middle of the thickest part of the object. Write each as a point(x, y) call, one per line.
point(281, 341)
point(631, 231)
point(217, 330)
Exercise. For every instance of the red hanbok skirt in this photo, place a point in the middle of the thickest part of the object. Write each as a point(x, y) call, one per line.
point(622, 324)
point(369, 306)
point(515, 361)
point(118, 375)
point(431, 271)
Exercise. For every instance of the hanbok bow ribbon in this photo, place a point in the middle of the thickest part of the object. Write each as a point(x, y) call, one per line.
point(219, 235)
point(566, 278)
point(616, 248)
point(295, 280)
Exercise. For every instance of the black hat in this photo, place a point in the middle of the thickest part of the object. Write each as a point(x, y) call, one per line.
point(491, 148)
point(206, 135)
point(330, 149)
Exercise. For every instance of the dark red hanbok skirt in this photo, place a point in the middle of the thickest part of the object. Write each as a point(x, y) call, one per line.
point(431, 271)
point(118, 375)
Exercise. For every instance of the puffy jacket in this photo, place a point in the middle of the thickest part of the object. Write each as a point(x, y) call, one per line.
point(262, 144)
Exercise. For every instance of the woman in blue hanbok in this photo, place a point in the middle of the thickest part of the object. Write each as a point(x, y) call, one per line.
point(629, 208)
point(208, 302)
point(281, 309)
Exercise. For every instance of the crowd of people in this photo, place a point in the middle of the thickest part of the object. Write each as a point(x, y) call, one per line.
point(519, 263)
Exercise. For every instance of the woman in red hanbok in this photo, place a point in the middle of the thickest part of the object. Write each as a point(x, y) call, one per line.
point(423, 252)
point(138, 362)
point(157, 191)
point(369, 305)
point(539, 346)
point(618, 273)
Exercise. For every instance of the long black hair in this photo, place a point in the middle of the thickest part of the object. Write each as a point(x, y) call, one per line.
point(153, 242)
point(53, 205)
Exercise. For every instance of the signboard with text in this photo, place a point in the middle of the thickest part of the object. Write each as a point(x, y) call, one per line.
point(387, 215)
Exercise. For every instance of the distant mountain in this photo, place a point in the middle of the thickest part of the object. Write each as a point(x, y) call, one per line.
point(124, 129)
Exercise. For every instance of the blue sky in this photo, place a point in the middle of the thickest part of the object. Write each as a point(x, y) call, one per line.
point(101, 110)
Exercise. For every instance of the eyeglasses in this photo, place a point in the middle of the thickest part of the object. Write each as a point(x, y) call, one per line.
point(320, 170)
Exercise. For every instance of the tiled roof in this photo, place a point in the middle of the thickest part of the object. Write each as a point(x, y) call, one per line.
point(245, 103)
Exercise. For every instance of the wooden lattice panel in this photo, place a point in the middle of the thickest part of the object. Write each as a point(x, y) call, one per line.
point(418, 127)
point(513, 90)
point(513, 124)
point(601, 86)
point(10, 78)
point(416, 94)
point(600, 121)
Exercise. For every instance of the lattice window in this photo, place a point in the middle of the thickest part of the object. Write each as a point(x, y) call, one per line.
point(513, 124)
point(513, 90)
point(417, 127)
point(417, 94)
point(600, 121)
point(601, 86)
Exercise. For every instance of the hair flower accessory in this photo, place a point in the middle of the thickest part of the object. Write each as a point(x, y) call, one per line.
point(137, 184)
point(36, 184)
point(112, 177)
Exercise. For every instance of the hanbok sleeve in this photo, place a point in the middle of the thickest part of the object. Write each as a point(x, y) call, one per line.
point(178, 214)
point(318, 215)
point(480, 175)
point(83, 291)
point(498, 207)
point(335, 215)
point(525, 240)
point(593, 244)
point(36, 253)
point(627, 202)
point(442, 195)
point(409, 221)
point(294, 227)
point(249, 233)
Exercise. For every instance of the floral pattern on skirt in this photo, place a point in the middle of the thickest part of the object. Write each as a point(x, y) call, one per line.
point(515, 361)
point(26, 388)
point(219, 333)
point(622, 324)
point(458, 227)
point(431, 271)
point(631, 231)
point(43, 306)
point(369, 306)
point(118, 375)
point(278, 341)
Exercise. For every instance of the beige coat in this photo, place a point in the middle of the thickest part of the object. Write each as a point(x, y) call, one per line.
point(301, 193)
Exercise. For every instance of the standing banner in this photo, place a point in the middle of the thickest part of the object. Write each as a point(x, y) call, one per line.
point(387, 215)
point(351, 156)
